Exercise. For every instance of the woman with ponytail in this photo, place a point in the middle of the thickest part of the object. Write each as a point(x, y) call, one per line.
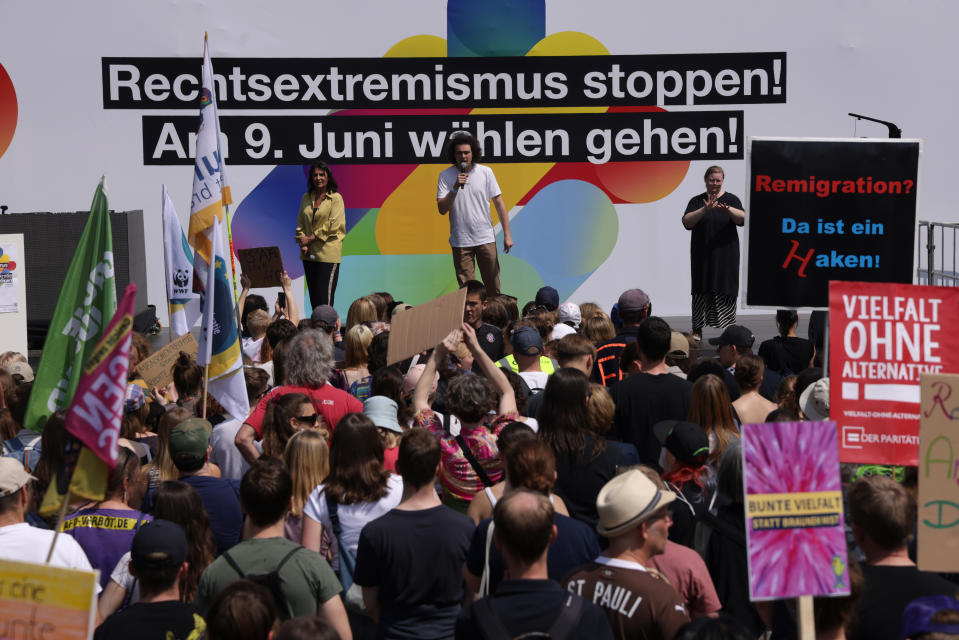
point(187, 384)
point(285, 415)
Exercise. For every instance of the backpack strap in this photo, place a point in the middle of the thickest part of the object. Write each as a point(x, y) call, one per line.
point(287, 557)
point(568, 619)
point(347, 559)
point(230, 561)
point(16, 443)
point(486, 578)
point(477, 468)
point(447, 419)
point(345, 555)
point(490, 626)
point(334, 516)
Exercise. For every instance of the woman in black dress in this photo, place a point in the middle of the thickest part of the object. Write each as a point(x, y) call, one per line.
point(714, 253)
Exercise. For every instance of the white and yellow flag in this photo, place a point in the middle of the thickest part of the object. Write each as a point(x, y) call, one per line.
point(211, 191)
point(184, 303)
point(219, 344)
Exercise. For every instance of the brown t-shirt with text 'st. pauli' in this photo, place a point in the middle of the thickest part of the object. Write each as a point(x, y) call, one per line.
point(637, 604)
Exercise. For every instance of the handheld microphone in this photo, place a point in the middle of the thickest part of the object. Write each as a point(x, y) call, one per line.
point(463, 167)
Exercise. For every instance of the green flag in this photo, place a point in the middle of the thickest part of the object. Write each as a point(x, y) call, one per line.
point(88, 300)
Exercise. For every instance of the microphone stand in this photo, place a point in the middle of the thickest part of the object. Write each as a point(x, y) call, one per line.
point(894, 131)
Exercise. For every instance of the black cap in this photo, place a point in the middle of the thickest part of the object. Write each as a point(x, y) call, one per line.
point(527, 341)
point(158, 545)
point(685, 440)
point(736, 335)
point(547, 297)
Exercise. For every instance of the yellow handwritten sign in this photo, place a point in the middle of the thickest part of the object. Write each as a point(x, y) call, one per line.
point(40, 601)
point(938, 541)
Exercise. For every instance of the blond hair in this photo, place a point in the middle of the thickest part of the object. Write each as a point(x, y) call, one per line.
point(362, 310)
point(601, 409)
point(391, 439)
point(358, 339)
point(9, 357)
point(257, 322)
point(307, 456)
point(598, 328)
point(588, 310)
point(712, 410)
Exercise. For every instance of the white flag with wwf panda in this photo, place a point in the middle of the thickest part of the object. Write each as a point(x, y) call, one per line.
point(184, 304)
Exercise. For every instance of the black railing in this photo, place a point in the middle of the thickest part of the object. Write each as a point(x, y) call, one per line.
point(937, 264)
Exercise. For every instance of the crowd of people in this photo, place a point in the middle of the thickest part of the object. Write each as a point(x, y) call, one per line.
point(553, 469)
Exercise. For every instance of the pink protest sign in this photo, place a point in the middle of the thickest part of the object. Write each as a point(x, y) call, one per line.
point(795, 535)
point(97, 406)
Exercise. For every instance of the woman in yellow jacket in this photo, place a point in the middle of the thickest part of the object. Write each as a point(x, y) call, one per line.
point(320, 229)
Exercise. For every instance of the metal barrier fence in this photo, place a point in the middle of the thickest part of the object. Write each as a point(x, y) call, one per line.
point(937, 264)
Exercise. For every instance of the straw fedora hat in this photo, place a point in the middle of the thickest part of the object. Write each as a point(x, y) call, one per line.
point(627, 501)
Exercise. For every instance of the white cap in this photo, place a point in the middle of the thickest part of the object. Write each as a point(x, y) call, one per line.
point(569, 312)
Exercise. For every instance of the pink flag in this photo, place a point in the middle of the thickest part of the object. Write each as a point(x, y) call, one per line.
point(97, 407)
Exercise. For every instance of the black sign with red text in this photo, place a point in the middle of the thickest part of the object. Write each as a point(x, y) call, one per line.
point(821, 210)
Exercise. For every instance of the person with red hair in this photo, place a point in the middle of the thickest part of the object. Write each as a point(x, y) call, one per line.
point(687, 473)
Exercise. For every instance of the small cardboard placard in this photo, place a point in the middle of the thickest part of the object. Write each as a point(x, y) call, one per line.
point(938, 542)
point(796, 542)
point(51, 601)
point(425, 326)
point(156, 370)
point(262, 265)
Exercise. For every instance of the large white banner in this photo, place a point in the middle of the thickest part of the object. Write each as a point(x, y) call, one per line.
point(598, 120)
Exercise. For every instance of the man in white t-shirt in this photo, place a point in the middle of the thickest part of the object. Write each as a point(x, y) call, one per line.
point(21, 542)
point(464, 191)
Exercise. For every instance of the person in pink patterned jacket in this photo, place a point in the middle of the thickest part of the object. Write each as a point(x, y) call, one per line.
point(471, 398)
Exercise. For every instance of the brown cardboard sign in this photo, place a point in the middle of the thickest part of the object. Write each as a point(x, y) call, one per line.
point(156, 370)
point(938, 542)
point(263, 266)
point(425, 326)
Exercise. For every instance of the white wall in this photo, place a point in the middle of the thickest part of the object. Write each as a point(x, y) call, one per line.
point(889, 60)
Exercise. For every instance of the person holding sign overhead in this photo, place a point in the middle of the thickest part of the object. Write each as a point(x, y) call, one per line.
point(320, 229)
point(714, 253)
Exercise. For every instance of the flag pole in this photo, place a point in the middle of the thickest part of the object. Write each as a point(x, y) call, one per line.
point(229, 235)
point(56, 530)
point(206, 384)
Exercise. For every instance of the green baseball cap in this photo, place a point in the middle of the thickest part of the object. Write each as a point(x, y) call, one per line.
point(190, 439)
